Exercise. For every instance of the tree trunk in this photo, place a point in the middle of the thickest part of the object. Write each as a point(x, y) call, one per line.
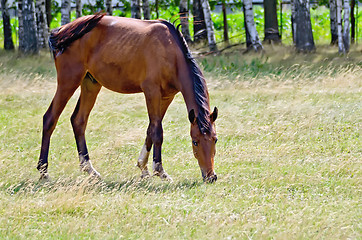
point(184, 18)
point(78, 8)
point(209, 25)
point(294, 25)
point(226, 28)
point(346, 25)
point(65, 10)
point(353, 22)
point(48, 10)
point(41, 24)
point(251, 28)
point(341, 48)
point(333, 20)
point(8, 38)
point(156, 6)
point(247, 34)
point(271, 30)
point(109, 7)
point(200, 33)
point(146, 10)
point(135, 9)
point(28, 43)
point(304, 36)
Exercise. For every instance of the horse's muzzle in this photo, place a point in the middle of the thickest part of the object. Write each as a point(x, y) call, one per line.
point(210, 179)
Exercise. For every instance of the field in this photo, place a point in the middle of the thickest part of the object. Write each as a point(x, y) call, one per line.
point(289, 155)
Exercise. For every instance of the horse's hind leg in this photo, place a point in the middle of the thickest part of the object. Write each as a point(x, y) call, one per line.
point(65, 90)
point(79, 119)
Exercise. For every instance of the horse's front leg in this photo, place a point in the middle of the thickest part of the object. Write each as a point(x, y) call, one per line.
point(156, 106)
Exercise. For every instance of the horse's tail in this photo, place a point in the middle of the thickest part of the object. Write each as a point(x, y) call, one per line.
point(199, 82)
point(61, 38)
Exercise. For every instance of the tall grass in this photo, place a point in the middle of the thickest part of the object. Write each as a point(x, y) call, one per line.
point(288, 156)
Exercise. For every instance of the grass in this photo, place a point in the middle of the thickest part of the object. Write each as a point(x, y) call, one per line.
point(288, 156)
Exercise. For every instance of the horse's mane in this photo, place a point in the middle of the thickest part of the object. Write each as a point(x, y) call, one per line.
point(61, 38)
point(199, 82)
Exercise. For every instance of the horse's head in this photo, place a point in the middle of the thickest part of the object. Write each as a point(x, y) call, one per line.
point(203, 144)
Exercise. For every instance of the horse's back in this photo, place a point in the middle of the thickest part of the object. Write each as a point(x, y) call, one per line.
point(122, 54)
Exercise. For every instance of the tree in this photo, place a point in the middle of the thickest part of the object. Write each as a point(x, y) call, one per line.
point(209, 25)
point(250, 27)
point(65, 10)
point(200, 33)
point(304, 41)
point(146, 10)
point(224, 14)
point(8, 38)
point(271, 31)
point(135, 9)
point(184, 18)
point(41, 23)
point(78, 8)
point(346, 25)
point(28, 42)
point(109, 7)
point(353, 21)
point(333, 20)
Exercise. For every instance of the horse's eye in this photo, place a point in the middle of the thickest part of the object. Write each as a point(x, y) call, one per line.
point(194, 143)
point(215, 140)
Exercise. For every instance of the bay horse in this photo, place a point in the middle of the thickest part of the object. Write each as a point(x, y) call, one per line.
point(129, 56)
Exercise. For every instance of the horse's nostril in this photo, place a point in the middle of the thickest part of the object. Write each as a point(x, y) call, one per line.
point(210, 179)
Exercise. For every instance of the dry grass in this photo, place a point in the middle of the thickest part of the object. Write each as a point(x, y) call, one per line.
point(288, 156)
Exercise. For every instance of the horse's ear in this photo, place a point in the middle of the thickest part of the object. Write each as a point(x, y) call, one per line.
point(213, 115)
point(192, 116)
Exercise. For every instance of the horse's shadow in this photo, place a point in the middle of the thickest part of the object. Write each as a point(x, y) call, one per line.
point(101, 186)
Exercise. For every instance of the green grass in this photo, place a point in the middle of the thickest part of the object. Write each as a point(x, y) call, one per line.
point(288, 156)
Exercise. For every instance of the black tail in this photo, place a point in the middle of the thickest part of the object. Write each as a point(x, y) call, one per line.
point(61, 38)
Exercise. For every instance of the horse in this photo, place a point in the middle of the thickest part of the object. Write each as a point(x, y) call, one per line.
point(129, 56)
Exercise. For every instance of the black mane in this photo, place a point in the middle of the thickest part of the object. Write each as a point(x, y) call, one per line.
point(199, 82)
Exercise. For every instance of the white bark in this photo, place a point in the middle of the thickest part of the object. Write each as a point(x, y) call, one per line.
point(250, 23)
point(209, 25)
point(42, 26)
point(78, 8)
point(184, 18)
point(346, 25)
point(341, 48)
point(65, 11)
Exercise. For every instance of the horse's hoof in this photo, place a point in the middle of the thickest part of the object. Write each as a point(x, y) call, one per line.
point(44, 177)
point(163, 176)
point(145, 174)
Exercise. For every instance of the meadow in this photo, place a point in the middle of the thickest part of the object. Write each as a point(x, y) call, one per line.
point(288, 157)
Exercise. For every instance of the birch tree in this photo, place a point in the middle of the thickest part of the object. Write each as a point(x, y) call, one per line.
point(339, 27)
point(78, 8)
point(41, 23)
point(225, 25)
point(209, 25)
point(304, 41)
point(346, 25)
point(135, 9)
point(251, 28)
point(8, 38)
point(146, 9)
point(333, 20)
point(184, 18)
point(65, 11)
point(28, 43)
